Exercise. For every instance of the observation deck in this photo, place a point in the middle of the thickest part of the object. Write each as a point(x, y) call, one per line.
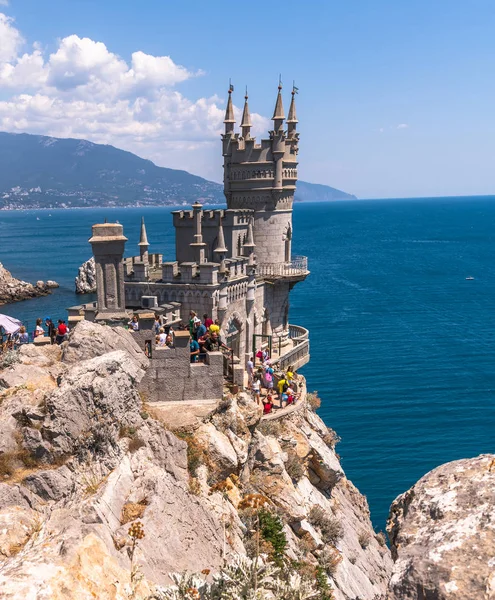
point(294, 270)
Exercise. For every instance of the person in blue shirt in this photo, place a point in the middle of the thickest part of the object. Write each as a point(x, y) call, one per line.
point(200, 331)
point(194, 348)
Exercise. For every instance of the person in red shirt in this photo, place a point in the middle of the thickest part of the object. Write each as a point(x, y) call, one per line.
point(207, 321)
point(61, 332)
point(267, 405)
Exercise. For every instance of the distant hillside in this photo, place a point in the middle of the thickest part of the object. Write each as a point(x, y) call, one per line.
point(38, 171)
point(315, 192)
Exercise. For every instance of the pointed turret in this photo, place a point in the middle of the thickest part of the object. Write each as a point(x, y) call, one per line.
point(249, 244)
point(221, 249)
point(246, 119)
point(278, 113)
point(229, 113)
point(143, 242)
point(292, 118)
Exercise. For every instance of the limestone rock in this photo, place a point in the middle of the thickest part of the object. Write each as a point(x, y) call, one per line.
point(94, 399)
point(86, 278)
point(442, 533)
point(88, 340)
point(220, 451)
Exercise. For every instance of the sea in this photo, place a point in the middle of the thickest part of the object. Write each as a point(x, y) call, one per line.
point(402, 343)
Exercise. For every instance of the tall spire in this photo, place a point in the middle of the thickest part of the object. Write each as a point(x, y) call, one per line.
point(143, 239)
point(143, 242)
point(246, 119)
point(292, 118)
point(278, 113)
point(229, 113)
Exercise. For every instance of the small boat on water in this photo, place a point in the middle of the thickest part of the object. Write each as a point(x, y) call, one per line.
point(469, 278)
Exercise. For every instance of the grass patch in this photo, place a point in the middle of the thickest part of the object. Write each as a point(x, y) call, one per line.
point(364, 539)
point(294, 466)
point(314, 400)
point(196, 452)
point(132, 511)
point(331, 528)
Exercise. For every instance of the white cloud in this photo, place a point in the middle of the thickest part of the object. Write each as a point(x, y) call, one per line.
point(10, 39)
point(85, 90)
point(403, 126)
point(4, 2)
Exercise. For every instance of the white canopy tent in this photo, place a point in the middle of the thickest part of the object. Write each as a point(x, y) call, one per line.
point(9, 324)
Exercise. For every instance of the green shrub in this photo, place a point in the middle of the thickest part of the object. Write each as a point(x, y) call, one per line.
point(272, 530)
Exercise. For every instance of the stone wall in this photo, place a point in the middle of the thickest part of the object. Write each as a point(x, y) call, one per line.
point(172, 377)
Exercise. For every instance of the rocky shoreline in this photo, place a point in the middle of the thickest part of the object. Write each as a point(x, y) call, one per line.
point(15, 290)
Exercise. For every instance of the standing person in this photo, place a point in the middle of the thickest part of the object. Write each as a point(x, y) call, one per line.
point(250, 371)
point(22, 336)
point(51, 329)
point(38, 330)
point(194, 349)
point(161, 338)
point(200, 331)
point(61, 332)
point(207, 321)
point(157, 325)
point(281, 386)
point(192, 317)
point(134, 323)
point(289, 375)
point(257, 390)
point(269, 379)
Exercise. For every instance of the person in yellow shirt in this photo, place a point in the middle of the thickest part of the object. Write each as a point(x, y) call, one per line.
point(289, 376)
point(280, 386)
point(215, 327)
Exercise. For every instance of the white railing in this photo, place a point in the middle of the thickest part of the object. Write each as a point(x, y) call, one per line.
point(295, 358)
point(298, 334)
point(296, 267)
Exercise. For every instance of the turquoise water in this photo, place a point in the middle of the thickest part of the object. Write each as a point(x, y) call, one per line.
point(403, 347)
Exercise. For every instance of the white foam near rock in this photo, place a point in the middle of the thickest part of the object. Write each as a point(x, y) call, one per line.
point(86, 278)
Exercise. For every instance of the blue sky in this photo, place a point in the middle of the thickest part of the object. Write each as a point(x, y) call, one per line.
point(396, 98)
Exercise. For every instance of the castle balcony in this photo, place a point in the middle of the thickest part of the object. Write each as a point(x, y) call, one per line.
point(295, 269)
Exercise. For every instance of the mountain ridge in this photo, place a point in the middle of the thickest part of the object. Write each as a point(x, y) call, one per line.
point(46, 172)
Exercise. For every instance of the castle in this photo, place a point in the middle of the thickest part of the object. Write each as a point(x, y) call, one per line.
point(234, 264)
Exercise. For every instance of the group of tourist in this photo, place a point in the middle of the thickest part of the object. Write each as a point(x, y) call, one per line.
point(263, 377)
point(204, 337)
point(56, 334)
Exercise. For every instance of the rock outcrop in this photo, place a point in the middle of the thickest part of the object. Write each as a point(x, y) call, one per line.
point(81, 458)
point(86, 278)
point(14, 290)
point(442, 534)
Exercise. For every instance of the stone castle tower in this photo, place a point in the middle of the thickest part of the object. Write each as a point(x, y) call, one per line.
point(262, 177)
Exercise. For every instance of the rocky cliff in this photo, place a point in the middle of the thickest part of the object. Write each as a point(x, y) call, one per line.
point(13, 290)
point(82, 458)
point(86, 278)
point(442, 533)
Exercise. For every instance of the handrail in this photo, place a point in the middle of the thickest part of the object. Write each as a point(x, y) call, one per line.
point(298, 334)
point(296, 358)
point(295, 267)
